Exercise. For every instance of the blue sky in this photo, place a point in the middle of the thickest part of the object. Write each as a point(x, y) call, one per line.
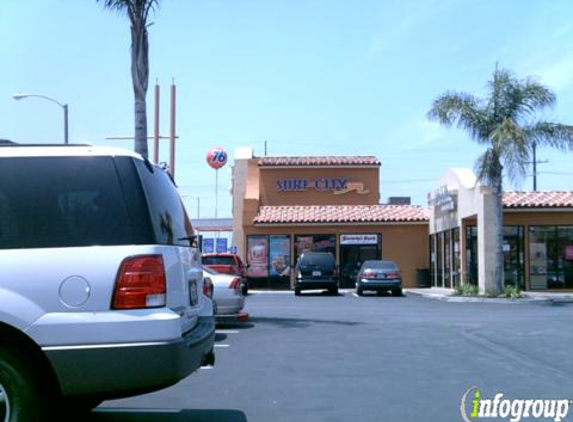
point(311, 77)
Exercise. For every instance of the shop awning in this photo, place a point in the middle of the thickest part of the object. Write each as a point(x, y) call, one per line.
point(341, 214)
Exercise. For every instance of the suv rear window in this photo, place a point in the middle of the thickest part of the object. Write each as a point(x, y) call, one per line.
point(218, 260)
point(171, 224)
point(323, 259)
point(61, 202)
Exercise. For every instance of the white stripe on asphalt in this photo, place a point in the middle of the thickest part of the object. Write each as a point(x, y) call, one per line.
point(226, 332)
point(135, 410)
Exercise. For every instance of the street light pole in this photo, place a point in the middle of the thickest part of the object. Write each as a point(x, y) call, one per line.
point(20, 96)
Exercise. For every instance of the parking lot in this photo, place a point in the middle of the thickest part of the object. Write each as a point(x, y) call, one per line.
point(348, 358)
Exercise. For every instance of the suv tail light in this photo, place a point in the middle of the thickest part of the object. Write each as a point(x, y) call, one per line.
point(140, 283)
point(235, 284)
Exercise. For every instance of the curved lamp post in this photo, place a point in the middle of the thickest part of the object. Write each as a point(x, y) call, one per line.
point(20, 96)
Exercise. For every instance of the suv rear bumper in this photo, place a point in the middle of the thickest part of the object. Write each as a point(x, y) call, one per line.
point(118, 370)
point(310, 284)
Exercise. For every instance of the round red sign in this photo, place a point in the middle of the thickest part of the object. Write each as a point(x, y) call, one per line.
point(217, 157)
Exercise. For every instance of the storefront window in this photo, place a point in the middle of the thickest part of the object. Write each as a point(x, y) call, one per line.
point(448, 259)
point(315, 243)
point(433, 240)
point(551, 257)
point(258, 256)
point(472, 255)
point(440, 260)
point(513, 256)
point(456, 262)
point(354, 250)
point(279, 256)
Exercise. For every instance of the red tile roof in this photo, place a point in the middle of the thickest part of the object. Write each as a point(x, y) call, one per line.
point(554, 199)
point(350, 161)
point(341, 214)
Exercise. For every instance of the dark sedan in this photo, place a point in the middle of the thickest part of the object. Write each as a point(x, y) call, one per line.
point(379, 276)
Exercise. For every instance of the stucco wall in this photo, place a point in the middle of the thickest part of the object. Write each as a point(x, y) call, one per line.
point(272, 178)
point(407, 245)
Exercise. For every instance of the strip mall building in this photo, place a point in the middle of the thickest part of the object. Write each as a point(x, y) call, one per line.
point(284, 206)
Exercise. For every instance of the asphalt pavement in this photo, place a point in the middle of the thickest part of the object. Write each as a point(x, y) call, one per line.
point(372, 358)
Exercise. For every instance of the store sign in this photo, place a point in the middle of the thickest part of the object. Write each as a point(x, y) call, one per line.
point(443, 199)
point(358, 239)
point(322, 184)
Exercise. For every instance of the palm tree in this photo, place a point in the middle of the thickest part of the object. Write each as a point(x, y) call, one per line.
point(505, 122)
point(137, 11)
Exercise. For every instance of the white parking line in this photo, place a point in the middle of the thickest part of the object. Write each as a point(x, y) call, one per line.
point(222, 345)
point(226, 331)
point(135, 410)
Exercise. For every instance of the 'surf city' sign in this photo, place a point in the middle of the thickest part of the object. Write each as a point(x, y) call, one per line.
point(322, 184)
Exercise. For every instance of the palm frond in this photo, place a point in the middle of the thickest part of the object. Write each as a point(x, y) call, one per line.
point(555, 135)
point(488, 168)
point(461, 109)
point(513, 148)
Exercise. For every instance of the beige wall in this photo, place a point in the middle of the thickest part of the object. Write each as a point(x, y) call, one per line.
point(407, 245)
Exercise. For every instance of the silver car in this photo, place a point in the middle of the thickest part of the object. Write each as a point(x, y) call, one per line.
point(100, 272)
point(227, 294)
point(379, 276)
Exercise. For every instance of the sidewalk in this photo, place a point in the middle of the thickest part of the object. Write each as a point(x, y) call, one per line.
point(447, 295)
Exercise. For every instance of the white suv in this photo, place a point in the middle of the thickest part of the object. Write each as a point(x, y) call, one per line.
point(100, 280)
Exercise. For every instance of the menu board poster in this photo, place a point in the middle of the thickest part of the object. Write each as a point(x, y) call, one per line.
point(279, 256)
point(258, 256)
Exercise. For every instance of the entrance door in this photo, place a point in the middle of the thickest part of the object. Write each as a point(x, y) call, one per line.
point(351, 257)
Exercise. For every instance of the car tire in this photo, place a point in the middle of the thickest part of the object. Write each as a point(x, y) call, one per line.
point(334, 291)
point(20, 392)
point(296, 291)
point(245, 290)
point(359, 291)
point(397, 292)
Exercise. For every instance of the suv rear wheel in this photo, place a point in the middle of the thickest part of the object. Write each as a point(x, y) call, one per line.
point(20, 397)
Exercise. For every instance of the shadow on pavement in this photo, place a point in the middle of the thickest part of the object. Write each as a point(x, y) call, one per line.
point(169, 415)
point(235, 325)
point(301, 322)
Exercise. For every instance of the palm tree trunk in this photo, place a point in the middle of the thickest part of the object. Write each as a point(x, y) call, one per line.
point(140, 138)
point(140, 78)
point(497, 192)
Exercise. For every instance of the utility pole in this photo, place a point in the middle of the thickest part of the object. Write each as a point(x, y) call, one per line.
point(535, 162)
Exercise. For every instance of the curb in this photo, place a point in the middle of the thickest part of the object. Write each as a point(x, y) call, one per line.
point(494, 300)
